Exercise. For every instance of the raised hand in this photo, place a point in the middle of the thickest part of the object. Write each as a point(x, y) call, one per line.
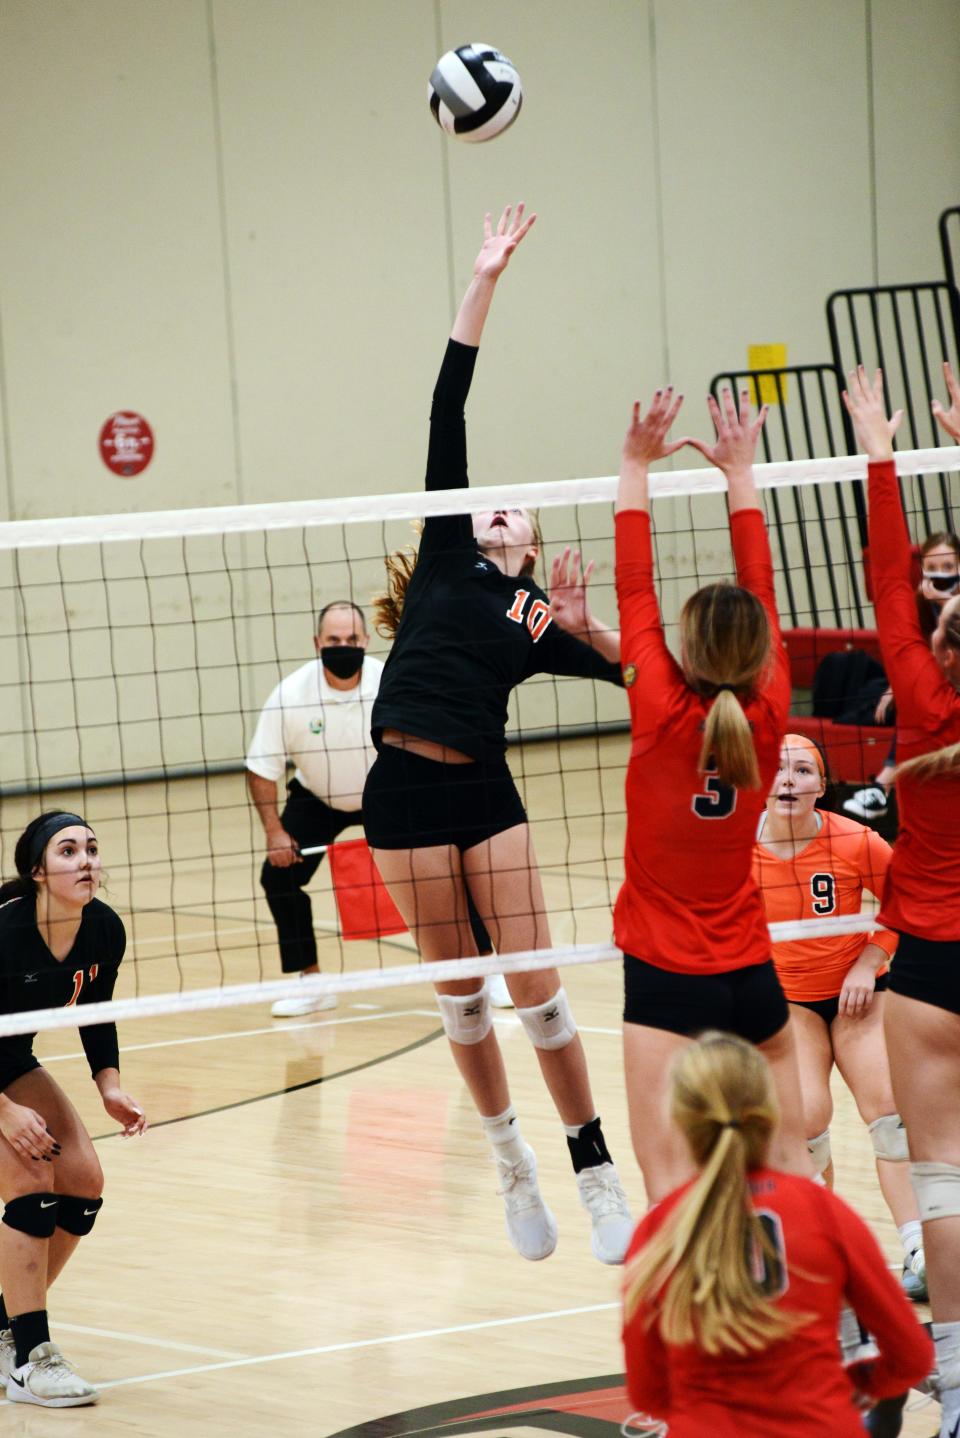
point(646, 439)
point(500, 243)
point(867, 409)
point(568, 592)
point(735, 445)
point(949, 419)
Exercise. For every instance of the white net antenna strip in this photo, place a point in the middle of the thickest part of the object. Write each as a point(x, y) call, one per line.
point(301, 514)
point(370, 980)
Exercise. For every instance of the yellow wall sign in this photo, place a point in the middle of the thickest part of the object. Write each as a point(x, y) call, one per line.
point(768, 357)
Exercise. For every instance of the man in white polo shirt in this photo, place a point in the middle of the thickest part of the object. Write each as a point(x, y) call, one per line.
point(319, 718)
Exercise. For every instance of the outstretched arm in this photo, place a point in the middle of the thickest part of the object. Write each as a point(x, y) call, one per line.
point(498, 245)
point(734, 448)
point(644, 442)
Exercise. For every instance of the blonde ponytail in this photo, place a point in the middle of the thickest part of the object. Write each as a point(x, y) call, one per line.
point(944, 761)
point(711, 1272)
point(725, 641)
point(728, 744)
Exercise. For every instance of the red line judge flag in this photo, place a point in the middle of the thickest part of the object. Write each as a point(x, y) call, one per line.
point(366, 909)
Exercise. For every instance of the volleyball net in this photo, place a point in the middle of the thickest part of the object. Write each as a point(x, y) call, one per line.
point(139, 651)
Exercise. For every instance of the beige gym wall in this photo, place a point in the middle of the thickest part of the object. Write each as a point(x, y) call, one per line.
point(238, 218)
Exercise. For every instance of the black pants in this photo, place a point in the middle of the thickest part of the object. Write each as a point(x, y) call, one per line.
point(310, 821)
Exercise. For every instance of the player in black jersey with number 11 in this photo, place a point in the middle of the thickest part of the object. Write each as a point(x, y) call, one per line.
point(440, 808)
point(59, 946)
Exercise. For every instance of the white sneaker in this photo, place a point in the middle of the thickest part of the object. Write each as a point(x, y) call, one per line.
point(293, 1008)
point(605, 1201)
point(867, 804)
point(498, 992)
point(8, 1353)
point(531, 1227)
point(48, 1380)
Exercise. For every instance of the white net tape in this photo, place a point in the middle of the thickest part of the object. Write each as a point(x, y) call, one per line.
point(370, 980)
point(254, 518)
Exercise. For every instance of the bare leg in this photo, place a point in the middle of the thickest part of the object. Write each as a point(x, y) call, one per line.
point(788, 1149)
point(505, 883)
point(427, 887)
point(862, 1060)
point(923, 1045)
point(814, 1063)
point(662, 1154)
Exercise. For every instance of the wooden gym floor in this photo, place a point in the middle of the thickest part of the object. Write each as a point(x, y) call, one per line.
point(309, 1239)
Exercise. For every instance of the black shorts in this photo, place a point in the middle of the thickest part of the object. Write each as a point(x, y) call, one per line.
point(829, 1009)
point(748, 1001)
point(14, 1068)
point(927, 970)
point(413, 803)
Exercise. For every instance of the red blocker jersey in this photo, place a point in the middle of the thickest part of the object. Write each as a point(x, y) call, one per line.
point(827, 1258)
point(922, 894)
point(827, 877)
point(689, 901)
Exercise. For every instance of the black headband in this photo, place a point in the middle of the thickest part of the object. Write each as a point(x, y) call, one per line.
point(45, 832)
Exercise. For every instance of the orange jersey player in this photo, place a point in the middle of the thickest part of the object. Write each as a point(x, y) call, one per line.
point(811, 864)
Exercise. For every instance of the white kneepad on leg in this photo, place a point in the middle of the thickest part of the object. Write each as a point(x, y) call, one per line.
point(819, 1150)
point(937, 1187)
point(550, 1025)
point(889, 1138)
point(466, 1017)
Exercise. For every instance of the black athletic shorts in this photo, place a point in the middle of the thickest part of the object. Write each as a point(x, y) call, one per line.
point(829, 1009)
point(927, 970)
point(14, 1068)
point(747, 1001)
point(413, 803)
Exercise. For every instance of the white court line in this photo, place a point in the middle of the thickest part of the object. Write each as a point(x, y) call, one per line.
point(361, 1343)
point(150, 1342)
point(254, 1033)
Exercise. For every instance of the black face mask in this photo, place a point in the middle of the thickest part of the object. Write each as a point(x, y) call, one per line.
point(342, 660)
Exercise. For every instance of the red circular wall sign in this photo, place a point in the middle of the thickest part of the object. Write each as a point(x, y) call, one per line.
point(126, 443)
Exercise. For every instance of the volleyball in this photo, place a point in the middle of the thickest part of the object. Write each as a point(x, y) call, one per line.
point(474, 92)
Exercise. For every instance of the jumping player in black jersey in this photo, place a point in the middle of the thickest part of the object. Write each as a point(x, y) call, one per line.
point(440, 808)
point(59, 946)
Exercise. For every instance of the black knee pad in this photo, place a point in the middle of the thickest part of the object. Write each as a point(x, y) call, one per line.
point(33, 1213)
point(77, 1215)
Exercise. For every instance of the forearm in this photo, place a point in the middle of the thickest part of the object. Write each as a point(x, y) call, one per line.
point(602, 638)
point(474, 307)
point(107, 1080)
point(742, 489)
point(633, 491)
point(263, 792)
point(873, 957)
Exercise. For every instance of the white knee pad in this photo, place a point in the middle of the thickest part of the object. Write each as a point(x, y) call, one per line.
point(937, 1186)
point(550, 1025)
point(819, 1150)
point(890, 1138)
point(466, 1017)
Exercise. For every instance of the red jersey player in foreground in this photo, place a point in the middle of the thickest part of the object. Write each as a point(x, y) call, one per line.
point(922, 895)
point(706, 742)
point(734, 1283)
point(809, 864)
point(59, 946)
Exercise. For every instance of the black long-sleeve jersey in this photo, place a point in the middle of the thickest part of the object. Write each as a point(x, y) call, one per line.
point(468, 633)
point(31, 978)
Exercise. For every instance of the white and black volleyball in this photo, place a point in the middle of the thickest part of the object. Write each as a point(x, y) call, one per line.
point(474, 92)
